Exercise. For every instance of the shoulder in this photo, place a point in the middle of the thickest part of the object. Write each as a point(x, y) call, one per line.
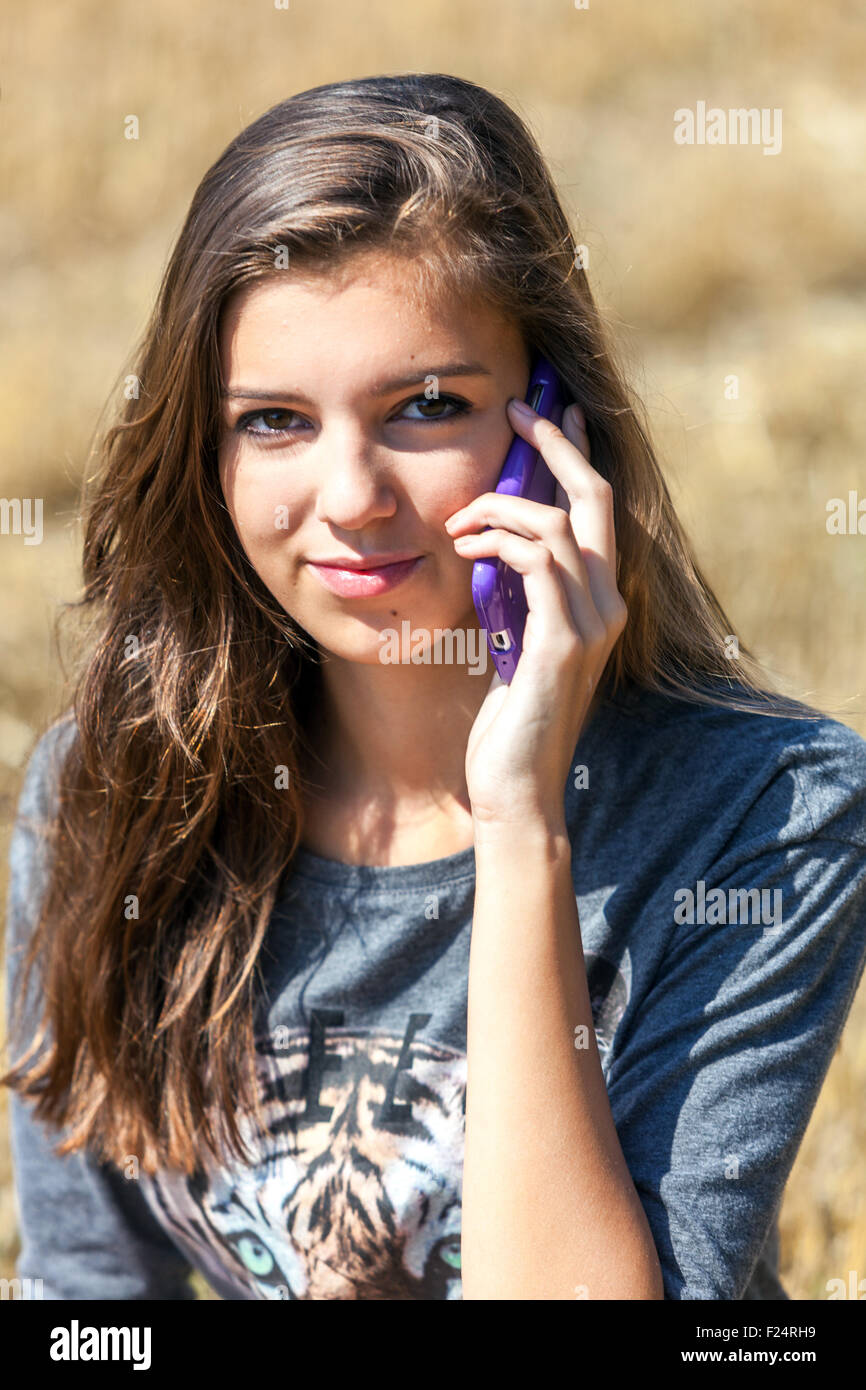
point(722, 755)
point(37, 797)
point(29, 844)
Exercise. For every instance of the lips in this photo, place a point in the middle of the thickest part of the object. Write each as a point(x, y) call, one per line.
point(362, 563)
point(363, 583)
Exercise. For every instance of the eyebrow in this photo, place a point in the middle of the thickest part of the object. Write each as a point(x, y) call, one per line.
point(382, 389)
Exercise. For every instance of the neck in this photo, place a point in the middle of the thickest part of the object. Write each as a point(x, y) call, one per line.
point(396, 734)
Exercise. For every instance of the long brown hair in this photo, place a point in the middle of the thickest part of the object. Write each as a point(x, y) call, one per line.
point(173, 830)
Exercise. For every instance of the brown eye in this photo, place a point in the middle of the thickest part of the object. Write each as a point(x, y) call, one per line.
point(273, 429)
point(454, 403)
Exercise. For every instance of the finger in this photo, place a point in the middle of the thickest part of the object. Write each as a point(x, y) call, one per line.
point(558, 612)
point(589, 495)
point(574, 428)
point(601, 554)
point(552, 527)
point(589, 500)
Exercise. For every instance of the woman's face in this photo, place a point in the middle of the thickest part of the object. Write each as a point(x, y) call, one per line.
point(336, 446)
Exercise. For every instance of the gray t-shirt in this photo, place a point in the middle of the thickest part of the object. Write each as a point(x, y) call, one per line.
point(720, 877)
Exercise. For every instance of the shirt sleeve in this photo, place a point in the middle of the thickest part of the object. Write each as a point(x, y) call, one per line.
point(715, 1080)
point(86, 1230)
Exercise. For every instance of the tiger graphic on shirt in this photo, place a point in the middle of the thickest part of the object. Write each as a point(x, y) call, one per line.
point(354, 1190)
point(356, 1185)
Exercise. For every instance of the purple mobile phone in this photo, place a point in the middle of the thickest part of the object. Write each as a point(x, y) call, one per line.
point(497, 590)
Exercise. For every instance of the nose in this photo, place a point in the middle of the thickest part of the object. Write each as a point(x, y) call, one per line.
point(352, 477)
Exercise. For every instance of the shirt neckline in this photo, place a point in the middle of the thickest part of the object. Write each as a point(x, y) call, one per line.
point(314, 867)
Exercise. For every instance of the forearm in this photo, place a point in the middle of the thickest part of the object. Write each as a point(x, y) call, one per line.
point(549, 1207)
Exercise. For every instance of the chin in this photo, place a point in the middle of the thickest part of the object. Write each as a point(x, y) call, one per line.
point(379, 640)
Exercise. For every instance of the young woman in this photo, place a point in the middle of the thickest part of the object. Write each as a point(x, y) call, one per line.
point(250, 859)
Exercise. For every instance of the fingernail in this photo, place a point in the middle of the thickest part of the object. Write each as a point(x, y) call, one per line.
point(522, 408)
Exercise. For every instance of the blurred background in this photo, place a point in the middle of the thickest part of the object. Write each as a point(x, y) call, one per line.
point(734, 280)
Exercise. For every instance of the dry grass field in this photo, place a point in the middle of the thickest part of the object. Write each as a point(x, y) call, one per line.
point(711, 262)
